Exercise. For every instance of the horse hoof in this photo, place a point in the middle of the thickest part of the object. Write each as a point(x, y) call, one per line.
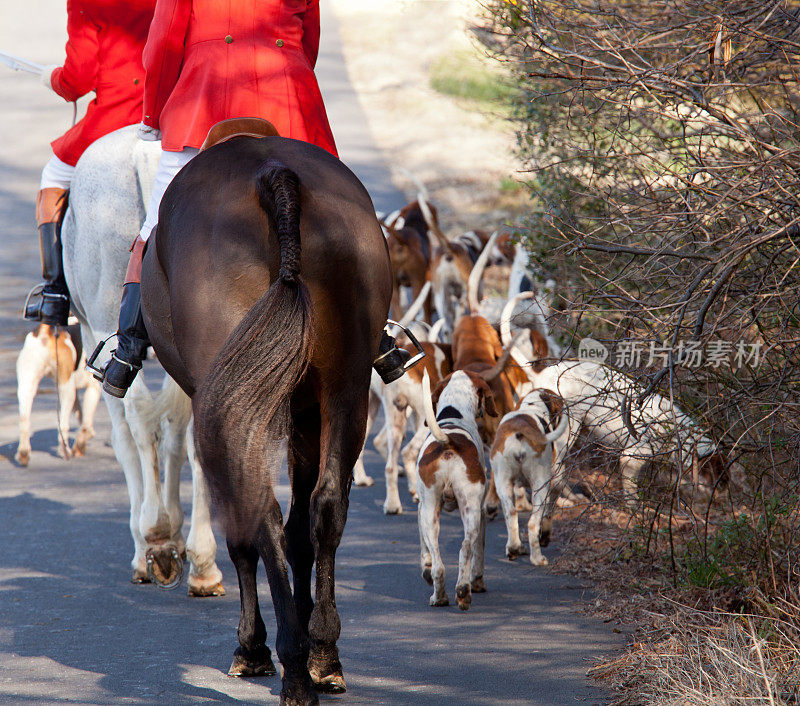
point(478, 585)
point(292, 700)
point(205, 590)
point(258, 665)
point(332, 684)
point(164, 566)
point(325, 671)
point(23, 457)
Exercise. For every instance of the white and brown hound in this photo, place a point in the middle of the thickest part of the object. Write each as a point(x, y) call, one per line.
point(606, 402)
point(523, 451)
point(57, 353)
point(452, 458)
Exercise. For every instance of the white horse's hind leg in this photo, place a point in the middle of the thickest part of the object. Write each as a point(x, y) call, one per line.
point(173, 452)
point(205, 578)
point(154, 523)
point(128, 457)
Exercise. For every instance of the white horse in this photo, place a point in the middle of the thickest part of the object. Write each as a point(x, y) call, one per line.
point(111, 186)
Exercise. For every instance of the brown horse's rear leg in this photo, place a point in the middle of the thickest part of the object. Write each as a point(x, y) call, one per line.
point(303, 470)
point(291, 643)
point(343, 425)
point(252, 658)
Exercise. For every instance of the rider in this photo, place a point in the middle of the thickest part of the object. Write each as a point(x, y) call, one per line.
point(104, 49)
point(205, 62)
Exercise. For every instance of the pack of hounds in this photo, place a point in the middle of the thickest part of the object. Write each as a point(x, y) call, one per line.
point(496, 404)
point(493, 408)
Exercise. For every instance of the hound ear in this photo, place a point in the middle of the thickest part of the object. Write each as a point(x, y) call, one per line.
point(554, 404)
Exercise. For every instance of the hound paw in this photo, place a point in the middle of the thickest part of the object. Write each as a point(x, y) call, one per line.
point(23, 457)
point(514, 552)
point(439, 601)
point(392, 509)
point(464, 596)
point(426, 574)
point(539, 560)
point(478, 585)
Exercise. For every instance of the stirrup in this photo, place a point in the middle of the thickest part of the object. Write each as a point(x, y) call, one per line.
point(98, 373)
point(393, 363)
point(37, 289)
point(411, 337)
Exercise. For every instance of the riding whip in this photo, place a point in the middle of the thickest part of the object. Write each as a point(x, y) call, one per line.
point(17, 64)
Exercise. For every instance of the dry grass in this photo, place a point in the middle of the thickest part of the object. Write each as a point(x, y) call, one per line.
point(697, 658)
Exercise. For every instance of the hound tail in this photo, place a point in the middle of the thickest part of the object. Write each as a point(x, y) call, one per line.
point(475, 277)
point(560, 429)
point(430, 415)
point(506, 337)
point(242, 406)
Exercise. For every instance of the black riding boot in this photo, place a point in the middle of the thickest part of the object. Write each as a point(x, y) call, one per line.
point(391, 360)
point(52, 305)
point(132, 343)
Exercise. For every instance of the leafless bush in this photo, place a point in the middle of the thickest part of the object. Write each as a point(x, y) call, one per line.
point(661, 143)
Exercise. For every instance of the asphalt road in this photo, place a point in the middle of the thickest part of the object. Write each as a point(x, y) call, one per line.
point(74, 630)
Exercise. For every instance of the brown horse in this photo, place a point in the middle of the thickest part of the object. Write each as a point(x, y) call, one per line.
point(270, 343)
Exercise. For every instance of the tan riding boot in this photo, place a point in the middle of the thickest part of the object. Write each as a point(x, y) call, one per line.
point(52, 306)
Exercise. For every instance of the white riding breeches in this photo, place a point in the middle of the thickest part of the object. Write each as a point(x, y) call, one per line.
point(56, 174)
point(169, 164)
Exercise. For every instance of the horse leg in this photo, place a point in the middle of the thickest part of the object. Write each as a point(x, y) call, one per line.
point(252, 658)
point(163, 558)
point(291, 642)
point(343, 422)
point(205, 578)
point(172, 449)
point(128, 457)
point(303, 470)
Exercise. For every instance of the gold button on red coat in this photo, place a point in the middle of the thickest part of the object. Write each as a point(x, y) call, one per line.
point(228, 39)
point(279, 43)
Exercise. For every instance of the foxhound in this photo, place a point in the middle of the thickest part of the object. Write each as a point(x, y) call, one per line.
point(523, 450)
point(452, 458)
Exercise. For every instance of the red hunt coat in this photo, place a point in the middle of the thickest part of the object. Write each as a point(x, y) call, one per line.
point(208, 61)
point(104, 54)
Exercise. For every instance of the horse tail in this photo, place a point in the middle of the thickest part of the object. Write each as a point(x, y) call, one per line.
point(242, 407)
